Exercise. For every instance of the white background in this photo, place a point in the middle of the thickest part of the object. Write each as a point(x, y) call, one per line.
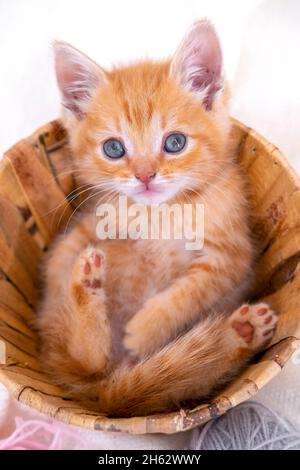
point(110, 31)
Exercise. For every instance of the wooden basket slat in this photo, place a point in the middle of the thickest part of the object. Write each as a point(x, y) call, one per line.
point(272, 182)
point(250, 147)
point(255, 377)
point(17, 380)
point(281, 351)
point(15, 270)
point(279, 263)
point(269, 203)
point(55, 156)
point(10, 188)
point(54, 135)
point(65, 410)
point(34, 374)
point(270, 211)
point(59, 408)
point(11, 299)
point(13, 227)
point(61, 170)
point(15, 321)
point(24, 343)
point(13, 355)
point(286, 300)
point(239, 134)
point(285, 246)
point(45, 199)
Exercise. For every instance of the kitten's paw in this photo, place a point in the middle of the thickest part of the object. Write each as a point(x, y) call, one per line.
point(89, 270)
point(144, 333)
point(134, 341)
point(254, 324)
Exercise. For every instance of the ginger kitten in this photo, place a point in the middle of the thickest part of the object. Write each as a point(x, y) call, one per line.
point(142, 325)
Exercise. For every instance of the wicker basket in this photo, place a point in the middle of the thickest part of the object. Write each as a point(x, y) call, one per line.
point(33, 207)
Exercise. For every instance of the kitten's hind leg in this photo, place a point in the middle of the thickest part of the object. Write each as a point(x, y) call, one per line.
point(195, 365)
point(90, 341)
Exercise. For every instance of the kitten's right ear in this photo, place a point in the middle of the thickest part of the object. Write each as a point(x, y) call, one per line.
point(77, 77)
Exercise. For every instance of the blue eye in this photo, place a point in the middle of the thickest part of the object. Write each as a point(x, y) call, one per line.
point(174, 143)
point(113, 148)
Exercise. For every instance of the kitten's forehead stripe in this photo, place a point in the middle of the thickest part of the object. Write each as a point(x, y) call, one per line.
point(126, 110)
point(142, 142)
point(138, 114)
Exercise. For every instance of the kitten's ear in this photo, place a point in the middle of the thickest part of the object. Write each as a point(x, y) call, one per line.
point(197, 64)
point(77, 77)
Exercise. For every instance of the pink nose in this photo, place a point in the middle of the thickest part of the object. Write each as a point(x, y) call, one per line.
point(145, 177)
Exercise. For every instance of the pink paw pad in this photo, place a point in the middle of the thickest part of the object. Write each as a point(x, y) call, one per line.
point(92, 268)
point(254, 324)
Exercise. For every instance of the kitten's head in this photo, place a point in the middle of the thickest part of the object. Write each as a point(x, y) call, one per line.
point(153, 130)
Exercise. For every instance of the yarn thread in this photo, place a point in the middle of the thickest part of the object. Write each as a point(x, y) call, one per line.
point(41, 435)
point(249, 426)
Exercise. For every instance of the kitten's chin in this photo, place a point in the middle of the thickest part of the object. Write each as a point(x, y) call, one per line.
point(149, 197)
point(153, 195)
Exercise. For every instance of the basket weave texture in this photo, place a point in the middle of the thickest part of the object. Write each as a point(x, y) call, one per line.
point(34, 207)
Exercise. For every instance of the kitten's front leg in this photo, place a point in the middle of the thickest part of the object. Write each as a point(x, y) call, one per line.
point(149, 329)
point(90, 338)
point(168, 313)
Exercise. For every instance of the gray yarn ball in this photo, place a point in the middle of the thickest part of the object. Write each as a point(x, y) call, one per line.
point(249, 426)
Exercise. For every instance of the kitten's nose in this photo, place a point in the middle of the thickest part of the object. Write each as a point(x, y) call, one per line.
point(145, 176)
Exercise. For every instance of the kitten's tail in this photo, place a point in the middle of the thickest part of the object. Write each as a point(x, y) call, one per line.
point(189, 366)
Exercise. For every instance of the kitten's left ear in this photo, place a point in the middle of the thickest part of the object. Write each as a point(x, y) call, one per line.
point(197, 64)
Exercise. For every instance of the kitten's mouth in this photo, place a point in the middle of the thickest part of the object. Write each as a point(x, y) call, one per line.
point(150, 195)
point(147, 191)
